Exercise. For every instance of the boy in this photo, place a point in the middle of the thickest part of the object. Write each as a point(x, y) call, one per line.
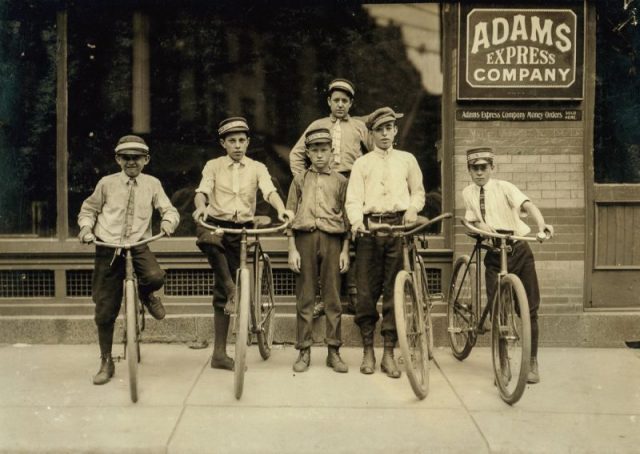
point(495, 205)
point(318, 246)
point(119, 210)
point(226, 197)
point(349, 136)
point(385, 187)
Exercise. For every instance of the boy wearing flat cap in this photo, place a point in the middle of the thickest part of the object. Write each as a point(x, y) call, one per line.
point(318, 247)
point(119, 211)
point(495, 206)
point(385, 187)
point(349, 136)
point(226, 197)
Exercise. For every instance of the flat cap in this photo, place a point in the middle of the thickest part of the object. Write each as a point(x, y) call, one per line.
point(343, 85)
point(233, 124)
point(381, 116)
point(480, 155)
point(131, 144)
point(320, 135)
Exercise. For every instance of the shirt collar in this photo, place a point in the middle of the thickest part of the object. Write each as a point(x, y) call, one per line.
point(487, 186)
point(230, 161)
point(125, 178)
point(334, 118)
point(382, 152)
point(324, 172)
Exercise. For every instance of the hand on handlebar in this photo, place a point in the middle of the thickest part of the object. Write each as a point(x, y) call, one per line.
point(199, 214)
point(547, 231)
point(86, 235)
point(165, 227)
point(410, 216)
point(286, 216)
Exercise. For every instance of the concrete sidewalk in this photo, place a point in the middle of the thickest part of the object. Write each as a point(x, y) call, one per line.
point(588, 401)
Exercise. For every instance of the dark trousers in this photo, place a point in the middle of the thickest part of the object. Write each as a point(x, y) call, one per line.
point(378, 260)
point(221, 250)
point(319, 258)
point(520, 262)
point(107, 280)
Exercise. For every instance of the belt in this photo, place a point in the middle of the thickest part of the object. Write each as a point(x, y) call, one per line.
point(230, 224)
point(384, 217)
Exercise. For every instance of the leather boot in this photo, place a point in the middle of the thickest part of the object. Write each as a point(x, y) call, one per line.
point(368, 365)
point(388, 363)
point(303, 361)
point(107, 369)
point(335, 362)
point(533, 376)
point(219, 358)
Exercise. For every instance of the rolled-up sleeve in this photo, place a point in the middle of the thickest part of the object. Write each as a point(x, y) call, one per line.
point(354, 203)
point(416, 188)
point(264, 181)
point(91, 207)
point(208, 181)
point(162, 203)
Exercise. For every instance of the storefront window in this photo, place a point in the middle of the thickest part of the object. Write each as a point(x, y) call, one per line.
point(99, 67)
point(617, 111)
point(27, 118)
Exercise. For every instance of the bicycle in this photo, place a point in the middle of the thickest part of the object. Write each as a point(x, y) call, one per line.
point(133, 314)
point(255, 309)
point(509, 312)
point(412, 302)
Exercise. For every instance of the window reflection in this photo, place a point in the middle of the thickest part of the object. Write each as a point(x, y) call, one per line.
point(27, 119)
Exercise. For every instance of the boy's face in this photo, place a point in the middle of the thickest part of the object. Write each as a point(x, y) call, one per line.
point(132, 164)
point(481, 173)
point(235, 144)
point(320, 155)
point(384, 134)
point(339, 103)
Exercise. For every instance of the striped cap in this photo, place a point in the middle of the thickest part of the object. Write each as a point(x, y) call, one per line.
point(132, 145)
point(343, 85)
point(233, 124)
point(381, 116)
point(481, 155)
point(317, 135)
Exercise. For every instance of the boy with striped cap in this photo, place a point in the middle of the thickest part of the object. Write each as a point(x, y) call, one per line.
point(318, 247)
point(350, 136)
point(118, 211)
point(226, 197)
point(385, 187)
point(497, 205)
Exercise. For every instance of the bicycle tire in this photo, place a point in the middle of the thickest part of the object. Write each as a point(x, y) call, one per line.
point(411, 333)
point(242, 332)
point(264, 309)
point(461, 308)
point(131, 325)
point(511, 324)
point(423, 283)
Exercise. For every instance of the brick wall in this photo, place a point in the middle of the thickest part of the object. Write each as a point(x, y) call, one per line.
point(545, 160)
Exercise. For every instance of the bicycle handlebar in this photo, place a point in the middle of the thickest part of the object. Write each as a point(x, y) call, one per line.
point(405, 229)
point(275, 229)
point(129, 245)
point(540, 237)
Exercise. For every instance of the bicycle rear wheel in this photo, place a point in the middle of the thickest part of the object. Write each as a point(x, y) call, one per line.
point(242, 332)
point(421, 279)
point(461, 308)
point(131, 325)
point(411, 333)
point(511, 339)
point(264, 309)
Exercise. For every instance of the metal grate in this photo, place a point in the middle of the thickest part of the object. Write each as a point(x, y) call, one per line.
point(79, 282)
point(284, 282)
point(26, 283)
point(434, 280)
point(189, 282)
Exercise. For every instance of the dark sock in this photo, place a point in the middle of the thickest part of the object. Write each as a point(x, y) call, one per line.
point(534, 338)
point(105, 339)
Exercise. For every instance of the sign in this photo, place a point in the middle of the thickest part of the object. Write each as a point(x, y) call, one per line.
point(518, 115)
point(520, 53)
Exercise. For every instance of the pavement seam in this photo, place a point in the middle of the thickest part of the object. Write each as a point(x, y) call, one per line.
point(184, 405)
point(475, 423)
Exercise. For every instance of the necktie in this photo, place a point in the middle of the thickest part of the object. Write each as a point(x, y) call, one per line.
point(235, 177)
point(128, 220)
point(336, 136)
point(482, 209)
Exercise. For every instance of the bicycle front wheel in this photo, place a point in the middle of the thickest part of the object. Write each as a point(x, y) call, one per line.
point(461, 308)
point(264, 308)
point(131, 325)
point(242, 332)
point(511, 339)
point(411, 333)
